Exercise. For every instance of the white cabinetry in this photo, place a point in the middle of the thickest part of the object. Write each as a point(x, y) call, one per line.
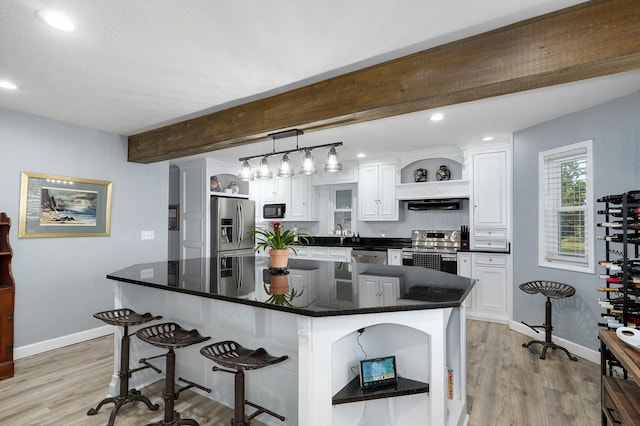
point(491, 198)
point(295, 192)
point(491, 296)
point(374, 290)
point(394, 256)
point(335, 254)
point(377, 192)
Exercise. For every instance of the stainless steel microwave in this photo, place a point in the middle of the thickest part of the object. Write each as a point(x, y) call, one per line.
point(273, 211)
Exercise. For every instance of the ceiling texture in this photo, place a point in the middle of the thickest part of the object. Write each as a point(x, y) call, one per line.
point(137, 65)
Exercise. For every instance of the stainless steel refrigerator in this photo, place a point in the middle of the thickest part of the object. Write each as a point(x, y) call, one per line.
point(232, 250)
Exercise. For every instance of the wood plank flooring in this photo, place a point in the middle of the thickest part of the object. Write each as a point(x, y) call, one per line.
point(506, 385)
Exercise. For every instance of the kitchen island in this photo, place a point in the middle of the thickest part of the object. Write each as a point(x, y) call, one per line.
point(340, 313)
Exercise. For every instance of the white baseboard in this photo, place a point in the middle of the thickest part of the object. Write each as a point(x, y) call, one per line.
point(60, 342)
point(574, 348)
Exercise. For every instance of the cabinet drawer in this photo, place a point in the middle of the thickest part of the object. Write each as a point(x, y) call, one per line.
point(490, 244)
point(498, 233)
point(488, 259)
point(619, 401)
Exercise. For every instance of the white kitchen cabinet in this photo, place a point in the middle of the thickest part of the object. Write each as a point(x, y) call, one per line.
point(377, 192)
point(374, 290)
point(491, 198)
point(394, 256)
point(336, 254)
point(295, 192)
point(490, 297)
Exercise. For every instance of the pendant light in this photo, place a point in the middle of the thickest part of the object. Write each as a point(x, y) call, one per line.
point(263, 171)
point(245, 172)
point(308, 168)
point(285, 169)
point(333, 163)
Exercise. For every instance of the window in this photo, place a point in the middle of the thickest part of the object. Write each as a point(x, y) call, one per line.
point(565, 208)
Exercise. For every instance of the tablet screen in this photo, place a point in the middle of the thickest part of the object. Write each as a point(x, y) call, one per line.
point(378, 372)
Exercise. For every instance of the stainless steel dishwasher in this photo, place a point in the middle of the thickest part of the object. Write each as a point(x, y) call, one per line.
point(369, 256)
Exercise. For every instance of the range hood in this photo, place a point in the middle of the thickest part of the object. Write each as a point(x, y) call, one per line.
point(435, 204)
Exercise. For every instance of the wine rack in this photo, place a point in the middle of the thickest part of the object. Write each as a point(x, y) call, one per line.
point(621, 224)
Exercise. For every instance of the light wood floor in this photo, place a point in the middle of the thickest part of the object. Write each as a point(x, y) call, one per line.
point(506, 385)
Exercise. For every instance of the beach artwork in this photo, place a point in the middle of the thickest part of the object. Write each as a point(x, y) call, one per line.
point(68, 207)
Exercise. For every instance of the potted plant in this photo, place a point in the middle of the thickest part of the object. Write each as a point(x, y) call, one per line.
point(278, 241)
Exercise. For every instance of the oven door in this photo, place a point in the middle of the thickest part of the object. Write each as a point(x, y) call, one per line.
point(430, 260)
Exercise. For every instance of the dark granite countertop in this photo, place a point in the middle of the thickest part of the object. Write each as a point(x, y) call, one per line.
point(322, 288)
point(363, 243)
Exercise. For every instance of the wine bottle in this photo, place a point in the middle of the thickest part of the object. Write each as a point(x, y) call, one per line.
point(632, 196)
point(619, 225)
point(607, 263)
point(630, 212)
point(618, 238)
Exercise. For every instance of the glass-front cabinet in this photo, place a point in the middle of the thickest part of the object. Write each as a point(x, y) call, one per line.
point(342, 209)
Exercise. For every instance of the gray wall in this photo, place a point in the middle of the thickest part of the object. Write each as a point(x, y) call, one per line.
point(60, 282)
point(615, 130)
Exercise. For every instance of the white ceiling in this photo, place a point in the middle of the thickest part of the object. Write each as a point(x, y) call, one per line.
point(134, 65)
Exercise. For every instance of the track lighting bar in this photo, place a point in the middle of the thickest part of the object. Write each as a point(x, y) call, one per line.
point(309, 148)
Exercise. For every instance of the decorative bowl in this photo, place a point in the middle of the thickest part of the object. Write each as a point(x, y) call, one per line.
point(630, 336)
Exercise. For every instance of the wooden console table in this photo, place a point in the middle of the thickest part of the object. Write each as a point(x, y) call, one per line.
point(620, 397)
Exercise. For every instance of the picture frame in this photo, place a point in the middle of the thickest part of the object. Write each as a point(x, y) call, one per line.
point(62, 206)
point(174, 217)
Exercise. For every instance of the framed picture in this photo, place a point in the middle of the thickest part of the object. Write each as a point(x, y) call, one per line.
point(63, 206)
point(174, 217)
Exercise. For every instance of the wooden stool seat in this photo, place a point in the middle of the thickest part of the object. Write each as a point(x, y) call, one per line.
point(171, 336)
point(551, 290)
point(232, 355)
point(124, 318)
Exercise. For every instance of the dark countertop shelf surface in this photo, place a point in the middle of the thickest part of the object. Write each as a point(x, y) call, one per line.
point(352, 392)
point(331, 288)
point(362, 243)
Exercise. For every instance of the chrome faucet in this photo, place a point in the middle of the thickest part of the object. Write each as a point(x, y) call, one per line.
point(341, 233)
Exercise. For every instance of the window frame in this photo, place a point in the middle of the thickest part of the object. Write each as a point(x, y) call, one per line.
point(587, 265)
point(333, 209)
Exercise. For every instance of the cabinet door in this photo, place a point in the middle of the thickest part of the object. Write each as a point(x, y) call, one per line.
point(491, 289)
point(297, 208)
point(490, 189)
point(368, 292)
point(298, 280)
point(387, 203)
point(275, 190)
point(368, 193)
point(389, 290)
point(6, 333)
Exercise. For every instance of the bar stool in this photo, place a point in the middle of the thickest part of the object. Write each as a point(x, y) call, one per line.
point(551, 290)
point(231, 355)
point(171, 336)
point(124, 318)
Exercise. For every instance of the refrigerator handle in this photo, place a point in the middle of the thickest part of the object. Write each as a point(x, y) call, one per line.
point(240, 222)
point(239, 277)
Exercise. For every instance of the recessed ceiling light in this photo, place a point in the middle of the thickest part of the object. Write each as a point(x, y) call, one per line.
point(361, 155)
point(487, 138)
point(6, 84)
point(437, 116)
point(57, 20)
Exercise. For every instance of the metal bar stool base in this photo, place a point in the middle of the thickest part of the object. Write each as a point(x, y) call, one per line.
point(547, 345)
point(176, 421)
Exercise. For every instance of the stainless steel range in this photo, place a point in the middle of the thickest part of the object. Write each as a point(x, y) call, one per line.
point(433, 249)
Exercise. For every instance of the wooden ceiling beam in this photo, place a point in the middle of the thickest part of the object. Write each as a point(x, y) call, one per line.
point(591, 39)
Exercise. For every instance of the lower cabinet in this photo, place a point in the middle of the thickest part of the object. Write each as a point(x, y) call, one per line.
point(490, 298)
point(375, 290)
point(336, 254)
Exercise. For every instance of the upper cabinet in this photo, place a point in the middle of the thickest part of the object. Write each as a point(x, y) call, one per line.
point(377, 192)
point(295, 192)
point(491, 198)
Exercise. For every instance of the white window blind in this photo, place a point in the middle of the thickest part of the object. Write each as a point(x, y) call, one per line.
point(566, 233)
